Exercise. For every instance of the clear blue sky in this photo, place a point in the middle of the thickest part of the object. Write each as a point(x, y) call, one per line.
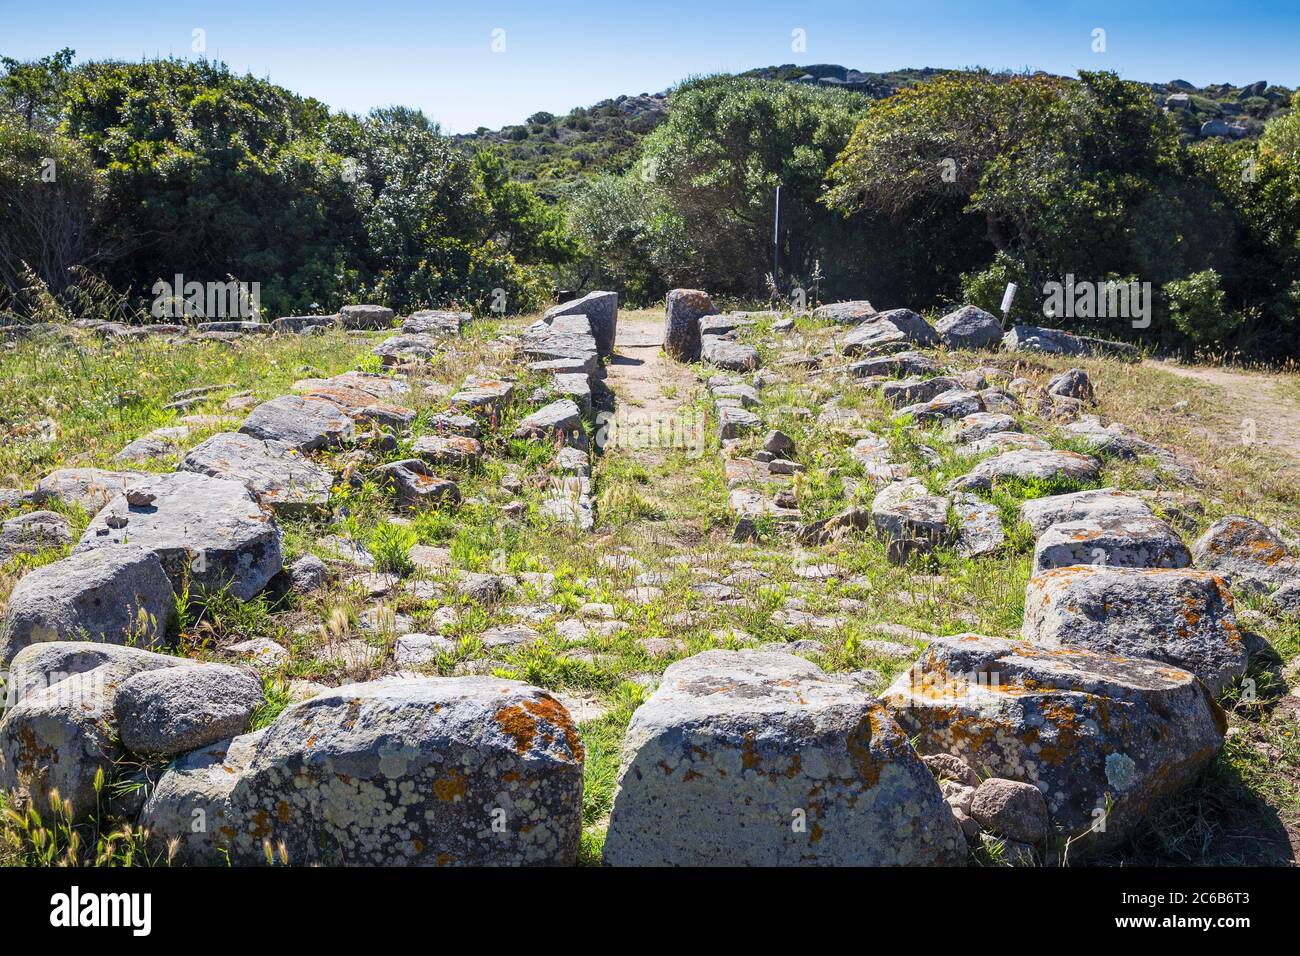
point(559, 54)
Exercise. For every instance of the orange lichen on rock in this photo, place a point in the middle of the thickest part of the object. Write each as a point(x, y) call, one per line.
point(454, 785)
point(518, 725)
point(552, 711)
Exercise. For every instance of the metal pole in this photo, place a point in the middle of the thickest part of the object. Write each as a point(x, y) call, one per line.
point(776, 240)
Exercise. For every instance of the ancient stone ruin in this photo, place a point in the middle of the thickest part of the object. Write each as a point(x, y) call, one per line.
point(1060, 729)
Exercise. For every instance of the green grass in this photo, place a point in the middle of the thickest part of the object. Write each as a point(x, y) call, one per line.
point(665, 515)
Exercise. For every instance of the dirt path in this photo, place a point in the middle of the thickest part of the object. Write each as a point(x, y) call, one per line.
point(1246, 397)
point(640, 376)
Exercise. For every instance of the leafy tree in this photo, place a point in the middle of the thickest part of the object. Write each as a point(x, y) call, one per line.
point(727, 144)
point(33, 90)
point(51, 204)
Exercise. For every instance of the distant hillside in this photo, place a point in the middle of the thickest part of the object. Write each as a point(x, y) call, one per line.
point(551, 150)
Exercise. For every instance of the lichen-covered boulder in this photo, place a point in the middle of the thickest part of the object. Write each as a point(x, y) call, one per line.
point(38, 666)
point(980, 425)
point(447, 449)
point(734, 421)
point(969, 327)
point(1028, 465)
point(209, 533)
point(733, 356)
point(415, 486)
point(1093, 504)
point(363, 406)
point(404, 348)
point(1103, 737)
point(1072, 383)
point(1247, 553)
point(1111, 542)
point(421, 771)
point(913, 390)
point(1011, 809)
point(906, 509)
point(759, 758)
point(979, 526)
point(955, 403)
point(62, 736)
point(365, 317)
point(189, 807)
point(281, 478)
point(683, 310)
point(1004, 441)
point(1031, 338)
point(845, 313)
point(305, 424)
point(33, 532)
point(174, 709)
point(488, 395)
point(119, 597)
point(894, 330)
point(1183, 618)
point(439, 321)
point(559, 422)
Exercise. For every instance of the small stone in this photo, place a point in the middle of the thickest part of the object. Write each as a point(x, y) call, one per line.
point(1011, 809)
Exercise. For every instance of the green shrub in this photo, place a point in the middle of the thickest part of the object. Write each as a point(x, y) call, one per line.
point(1197, 307)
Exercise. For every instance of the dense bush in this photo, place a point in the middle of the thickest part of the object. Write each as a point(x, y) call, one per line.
point(187, 168)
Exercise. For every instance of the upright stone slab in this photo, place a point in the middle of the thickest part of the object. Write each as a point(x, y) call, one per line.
point(683, 310)
point(209, 533)
point(1104, 738)
point(761, 759)
point(1182, 618)
point(1111, 542)
point(365, 317)
point(601, 310)
point(469, 771)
